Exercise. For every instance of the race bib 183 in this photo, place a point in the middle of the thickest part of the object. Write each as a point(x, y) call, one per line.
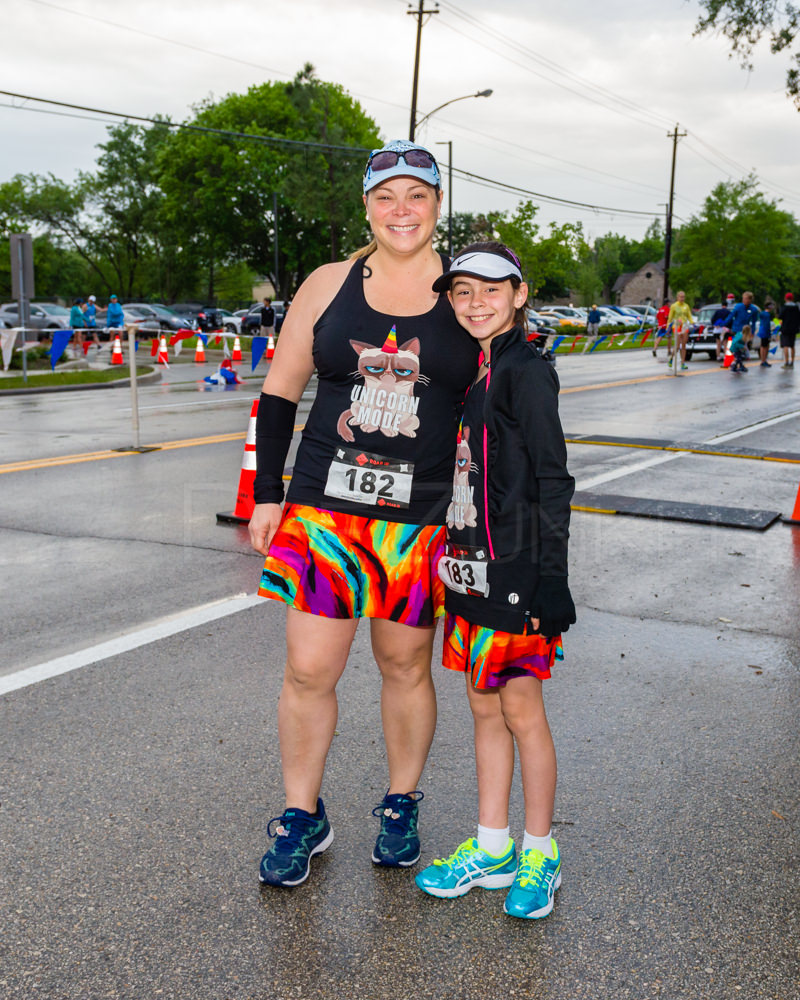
point(462, 568)
point(369, 479)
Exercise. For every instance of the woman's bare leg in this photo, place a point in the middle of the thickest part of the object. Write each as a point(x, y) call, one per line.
point(408, 699)
point(317, 650)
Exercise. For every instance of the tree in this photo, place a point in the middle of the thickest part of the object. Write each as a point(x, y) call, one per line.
point(743, 22)
point(220, 190)
point(740, 240)
point(467, 228)
point(548, 262)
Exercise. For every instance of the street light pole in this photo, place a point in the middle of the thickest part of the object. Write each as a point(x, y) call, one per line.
point(449, 144)
point(465, 97)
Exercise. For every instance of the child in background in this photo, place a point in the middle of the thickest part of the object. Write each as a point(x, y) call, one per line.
point(765, 333)
point(739, 347)
point(505, 569)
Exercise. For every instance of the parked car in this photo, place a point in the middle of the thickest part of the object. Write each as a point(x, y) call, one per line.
point(701, 334)
point(648, 312)
point(537, 321)
point(167, 318)
point(617, 314)
point(251, 321)
point(44, 316)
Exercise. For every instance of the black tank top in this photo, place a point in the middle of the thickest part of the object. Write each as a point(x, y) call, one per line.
point(380, 438)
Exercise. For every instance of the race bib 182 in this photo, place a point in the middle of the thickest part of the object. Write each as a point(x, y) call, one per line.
point(369, 479)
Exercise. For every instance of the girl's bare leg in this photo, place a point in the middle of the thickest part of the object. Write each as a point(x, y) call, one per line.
point(523, 710)
point(494, 757)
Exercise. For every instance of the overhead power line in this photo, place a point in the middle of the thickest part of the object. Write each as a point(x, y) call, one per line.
point(467, 175)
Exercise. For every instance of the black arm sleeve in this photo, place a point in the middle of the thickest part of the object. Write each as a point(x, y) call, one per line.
point(536, 407)
point(274, 429)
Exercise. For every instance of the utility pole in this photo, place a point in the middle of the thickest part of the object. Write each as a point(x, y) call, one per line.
point(449, 144)
point(668, 235)
point(419, 13)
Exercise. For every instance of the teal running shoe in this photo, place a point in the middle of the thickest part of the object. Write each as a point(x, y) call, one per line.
point(299, 835)
point(531, 895)
point(466, 867)
point(397, 845)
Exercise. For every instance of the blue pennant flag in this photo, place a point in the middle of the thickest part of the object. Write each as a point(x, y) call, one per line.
point(204, 338)
point(556, 342)
point(598, 341)
point(258, 346)
point(60, 341)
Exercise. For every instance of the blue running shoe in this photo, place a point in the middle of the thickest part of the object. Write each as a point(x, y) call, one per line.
point(397, 845)
point(299, 835)
point(531, 895)
point(466, 867)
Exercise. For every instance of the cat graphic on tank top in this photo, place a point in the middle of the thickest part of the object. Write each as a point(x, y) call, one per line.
point(385, 400)
point(462, 512)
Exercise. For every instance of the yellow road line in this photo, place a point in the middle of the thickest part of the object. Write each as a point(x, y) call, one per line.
point(683, 448)
point(98, 456)
point(637, 381)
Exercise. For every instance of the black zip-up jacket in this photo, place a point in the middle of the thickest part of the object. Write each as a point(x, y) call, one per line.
point(528, 488)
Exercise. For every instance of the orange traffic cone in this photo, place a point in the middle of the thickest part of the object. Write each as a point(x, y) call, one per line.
point(245, 503)
point(795, 518)
point(163, 357)
point(116, 351)
point(199, 352)
point(237, 350)
point(270, 348)
point(728, 359)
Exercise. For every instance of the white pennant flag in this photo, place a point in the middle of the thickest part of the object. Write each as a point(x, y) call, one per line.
point(7, 339)
point(226, 351)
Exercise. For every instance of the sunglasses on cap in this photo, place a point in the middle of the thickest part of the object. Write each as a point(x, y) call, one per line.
point(385, 159)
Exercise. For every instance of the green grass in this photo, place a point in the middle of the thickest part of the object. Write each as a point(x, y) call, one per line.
point(71, 378)
point(632, 342)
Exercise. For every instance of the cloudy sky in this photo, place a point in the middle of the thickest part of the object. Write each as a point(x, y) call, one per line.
point(584, 92)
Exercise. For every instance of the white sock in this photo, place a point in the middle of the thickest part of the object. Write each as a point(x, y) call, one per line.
point(531, 843)
point(494, 842)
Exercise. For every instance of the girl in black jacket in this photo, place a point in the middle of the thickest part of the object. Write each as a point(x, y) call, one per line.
point(505, 570)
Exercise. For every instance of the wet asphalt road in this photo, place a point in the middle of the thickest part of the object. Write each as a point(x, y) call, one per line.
point(135, 792)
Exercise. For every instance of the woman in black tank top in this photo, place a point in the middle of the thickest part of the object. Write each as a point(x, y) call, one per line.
point(361, 529)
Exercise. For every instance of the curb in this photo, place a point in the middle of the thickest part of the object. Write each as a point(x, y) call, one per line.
point(116, 384)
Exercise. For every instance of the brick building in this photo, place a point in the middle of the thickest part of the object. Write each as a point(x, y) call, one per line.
point(644, 285)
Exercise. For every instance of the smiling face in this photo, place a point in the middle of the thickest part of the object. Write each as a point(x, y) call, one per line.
point(403, 213)
point(485, 308)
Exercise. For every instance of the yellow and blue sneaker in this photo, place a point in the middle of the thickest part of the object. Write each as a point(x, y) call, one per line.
point(466, 867)
point(531, 895)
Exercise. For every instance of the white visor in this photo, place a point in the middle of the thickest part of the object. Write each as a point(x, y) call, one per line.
point(482, 265)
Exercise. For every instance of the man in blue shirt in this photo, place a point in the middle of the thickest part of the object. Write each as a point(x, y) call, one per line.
point(744, 313)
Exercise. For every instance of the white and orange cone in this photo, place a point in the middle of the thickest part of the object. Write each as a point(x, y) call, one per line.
point(728, 359)
point(200, 352)
point(245, 502)
point(270, 348)
point(237, 350)
point(116, 351)
point(163, 356)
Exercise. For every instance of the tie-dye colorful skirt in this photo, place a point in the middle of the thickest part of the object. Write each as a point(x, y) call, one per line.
point(492, 658)
point(342, 566)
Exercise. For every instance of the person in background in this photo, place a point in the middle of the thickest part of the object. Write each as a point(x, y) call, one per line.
point(744, 313)
point(267, 319)
point(662, 317)
point(593, 322)
point(790, 325)
point(739, 346)
point(721, 326)
point(765, 333)
point(115, 317)
point(77, 320)
point(680, 315)
point(91, 319)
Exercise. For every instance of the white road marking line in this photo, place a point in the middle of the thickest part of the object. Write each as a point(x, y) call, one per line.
point(607, 477)
point(124, 643)
point(754, 427)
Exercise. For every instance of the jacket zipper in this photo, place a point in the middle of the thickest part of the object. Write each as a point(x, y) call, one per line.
point(486, 468)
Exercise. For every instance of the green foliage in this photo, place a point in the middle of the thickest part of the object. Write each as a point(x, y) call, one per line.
point(743, 22)
point(467, 228)
point(740, 240)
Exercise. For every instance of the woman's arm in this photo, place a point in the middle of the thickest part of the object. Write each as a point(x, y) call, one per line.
point(289, 372)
